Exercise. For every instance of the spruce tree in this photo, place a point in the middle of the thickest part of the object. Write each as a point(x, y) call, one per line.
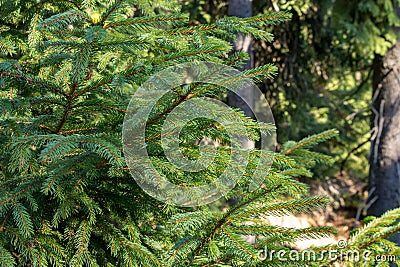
point(67, 195)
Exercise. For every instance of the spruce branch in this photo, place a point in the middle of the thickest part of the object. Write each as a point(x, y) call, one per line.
point(111, 10)
point(60, 21)
point(141, 21)
point(227, 216)
point(311, 140)
point(28, 79)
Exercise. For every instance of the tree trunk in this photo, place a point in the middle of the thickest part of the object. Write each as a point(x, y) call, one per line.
point(384, 178)
point(243, 9)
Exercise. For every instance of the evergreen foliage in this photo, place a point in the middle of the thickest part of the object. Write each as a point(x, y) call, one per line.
point(67, 197)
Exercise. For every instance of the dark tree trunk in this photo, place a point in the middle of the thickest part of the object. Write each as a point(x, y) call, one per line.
point(384, 178)
point(243, 9)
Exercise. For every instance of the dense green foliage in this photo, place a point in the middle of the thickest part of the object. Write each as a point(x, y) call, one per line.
point(67, 197)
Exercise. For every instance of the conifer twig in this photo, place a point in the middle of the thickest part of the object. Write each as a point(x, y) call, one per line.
point(227, 215)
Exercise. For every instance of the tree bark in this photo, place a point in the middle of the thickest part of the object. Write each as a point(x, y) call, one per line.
point(384, 176)
point(243, 9)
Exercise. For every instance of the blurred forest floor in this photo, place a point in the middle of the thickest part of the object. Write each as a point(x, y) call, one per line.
point(346, 195)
